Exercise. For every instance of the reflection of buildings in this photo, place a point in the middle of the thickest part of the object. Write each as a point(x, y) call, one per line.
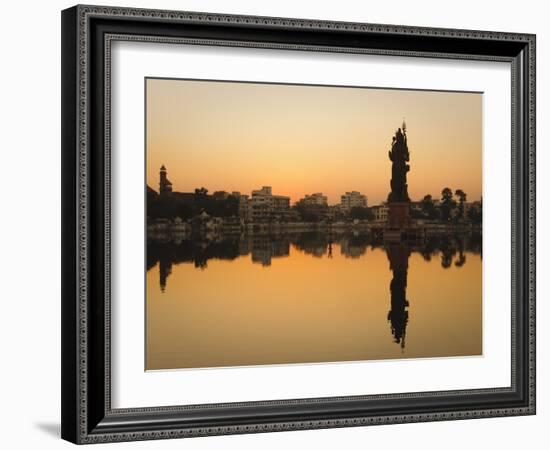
point(165, 250)
point(312, 243)
point(398, 316)
point(264, 248)
point(203, 224)
point(354, 247)
point(351, 200)
point(317, 250)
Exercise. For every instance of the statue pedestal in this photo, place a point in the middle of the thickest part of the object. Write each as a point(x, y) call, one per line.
point(399, 221)
point(399, 216)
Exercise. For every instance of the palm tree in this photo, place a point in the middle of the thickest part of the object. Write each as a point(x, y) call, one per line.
point(461, 199)
point(447, 204)
point(428, 207)
point(426, 201)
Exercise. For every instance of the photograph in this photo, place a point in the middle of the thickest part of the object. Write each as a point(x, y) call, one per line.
point(279, 218)
point(300, 224)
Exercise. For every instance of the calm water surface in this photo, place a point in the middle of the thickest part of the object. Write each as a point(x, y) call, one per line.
point(310, 297)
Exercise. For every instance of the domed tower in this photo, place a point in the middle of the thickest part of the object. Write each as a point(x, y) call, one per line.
point(165, 187)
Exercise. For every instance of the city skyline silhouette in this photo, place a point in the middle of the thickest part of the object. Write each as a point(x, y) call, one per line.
point(302, 139)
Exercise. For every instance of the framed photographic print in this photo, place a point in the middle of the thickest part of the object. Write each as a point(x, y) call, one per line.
point(279, 224)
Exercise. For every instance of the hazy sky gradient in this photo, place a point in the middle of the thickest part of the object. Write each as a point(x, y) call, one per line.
point(302, 139)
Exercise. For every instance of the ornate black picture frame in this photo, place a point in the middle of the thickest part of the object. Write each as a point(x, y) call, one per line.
point(87, 34)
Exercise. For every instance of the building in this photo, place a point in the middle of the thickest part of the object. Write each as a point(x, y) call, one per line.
point(261, 204)
point(265, 206)
point(165, 187)
point(317, 199)
point(281, 204)
point(220, 195)
point(380, 213)
point(313, 208)
point(351, 200)
point(245, 208)
point(334, 213)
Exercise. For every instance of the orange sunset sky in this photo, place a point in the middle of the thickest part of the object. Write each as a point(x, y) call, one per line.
point(303, 139)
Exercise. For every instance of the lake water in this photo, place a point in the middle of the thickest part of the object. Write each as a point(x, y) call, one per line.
point(309, 298)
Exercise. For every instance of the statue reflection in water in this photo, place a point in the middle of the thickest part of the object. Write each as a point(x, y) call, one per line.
point(398, 316)
point(452, 249)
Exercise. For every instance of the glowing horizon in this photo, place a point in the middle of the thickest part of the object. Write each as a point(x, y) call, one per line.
point(302, 139)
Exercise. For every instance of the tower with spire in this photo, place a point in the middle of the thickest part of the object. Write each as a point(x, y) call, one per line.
point(165, 186)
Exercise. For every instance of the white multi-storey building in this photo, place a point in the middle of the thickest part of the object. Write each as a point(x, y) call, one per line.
point(245, 208)
point(380, 213)
point(266, 206)
point(351, 200)
point(316, 199)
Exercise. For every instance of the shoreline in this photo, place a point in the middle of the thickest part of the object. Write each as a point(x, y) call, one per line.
point(184, 228)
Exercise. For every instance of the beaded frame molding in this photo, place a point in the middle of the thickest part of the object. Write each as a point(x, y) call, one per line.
point(87, 35)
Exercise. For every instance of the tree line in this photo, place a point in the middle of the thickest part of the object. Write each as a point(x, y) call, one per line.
point(450, 208)
point(190, 205)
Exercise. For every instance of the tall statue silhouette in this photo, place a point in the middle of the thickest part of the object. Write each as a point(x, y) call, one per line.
point(399, 156)
point(398, 316)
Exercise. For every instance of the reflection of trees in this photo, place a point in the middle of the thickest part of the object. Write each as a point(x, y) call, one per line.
point(195, 251)
point(191, 251)
point(461, 260)
point(188, 205)
point(199, 249)
point(447, 253)
point(450, 248)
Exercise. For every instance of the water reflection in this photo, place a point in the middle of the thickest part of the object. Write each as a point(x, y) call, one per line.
point(167, 250)
point(263, 249)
